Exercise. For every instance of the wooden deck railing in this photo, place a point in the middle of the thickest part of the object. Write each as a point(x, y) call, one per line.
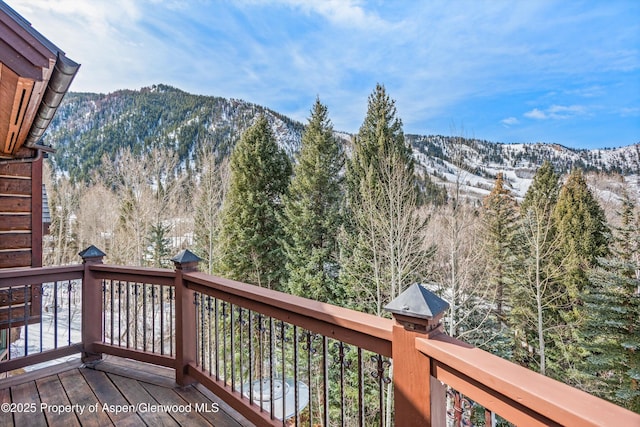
point(244, 342)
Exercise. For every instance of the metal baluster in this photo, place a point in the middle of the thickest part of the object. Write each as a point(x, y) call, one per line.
point(41, 312)
point(251, 357)
point(284, 375)
point(25, 318)
point(325, 378)
point(69, 288)
point(340, 358)
point(119, 313)
point(217, 339)
point(153, 318)
point(360, 389)
point(171, 320)
point(103, 317)
point(135, 315)
point(112, 319)
point(232, 349)
point(378, 374)
point(310, 351)
point(296, 397)
point(162, 319)
point(55, 313)
point(240, 342)
point(144, 317)
point(260, 346)
point(128, 326)
point(271, 351)
point(209, 309)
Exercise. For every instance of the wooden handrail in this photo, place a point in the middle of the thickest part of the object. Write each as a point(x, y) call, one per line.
point(360, 329)
point(24, 276)
point(514, 392)
point(158, 276)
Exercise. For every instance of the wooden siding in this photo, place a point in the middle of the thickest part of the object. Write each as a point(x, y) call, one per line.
point(20, 213)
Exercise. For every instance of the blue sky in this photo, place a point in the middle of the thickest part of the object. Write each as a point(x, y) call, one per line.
point(565, 72)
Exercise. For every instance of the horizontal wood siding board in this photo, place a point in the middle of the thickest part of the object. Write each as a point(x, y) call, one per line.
point(15, 186)
point(141, 356)
point(15, 204)
point(15, 241)
point(16, 169)
point(15, 222)
point(364, 330)
point(552, 399)
point(15, 296)
point(15, 259)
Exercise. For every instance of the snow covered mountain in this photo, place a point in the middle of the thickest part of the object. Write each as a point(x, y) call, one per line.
point(90, 126)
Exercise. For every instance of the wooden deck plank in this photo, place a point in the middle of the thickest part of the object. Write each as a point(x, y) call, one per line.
point(208, 409)
point(52, 393)
point(27, 393)
point(107, 393)
point(133, 391)
point(79, 392)
point(140, 371)
point(185, 413)
point(6, 419)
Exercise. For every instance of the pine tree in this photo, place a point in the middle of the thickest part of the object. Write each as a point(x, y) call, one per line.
point(584, 237)
point(533, 316)
point(383, 243)
point(251, 233)
point(312, 216)
point(159, 245)
point(612, 329)
point(499, 218)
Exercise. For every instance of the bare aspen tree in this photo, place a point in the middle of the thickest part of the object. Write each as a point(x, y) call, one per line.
point(207, 205)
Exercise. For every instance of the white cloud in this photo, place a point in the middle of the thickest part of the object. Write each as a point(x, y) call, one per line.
point(347, 13)
point(536, 114)
point(510, 121)
point(556, 112)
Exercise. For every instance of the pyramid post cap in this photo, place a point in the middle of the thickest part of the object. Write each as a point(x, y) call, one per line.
point(91, 252)
point(186, 256)
point(419, 302)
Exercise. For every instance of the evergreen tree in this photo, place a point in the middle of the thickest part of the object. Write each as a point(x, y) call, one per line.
point(312, 211)
point(251, 233)
point(383, 243)
point(612, 330)
point(584, 237)
point(159, 245)
point(534, 292)
point(499, 226)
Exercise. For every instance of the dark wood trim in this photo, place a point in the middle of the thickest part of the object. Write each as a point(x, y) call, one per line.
point(156, 276)
point(252, 413)
point(44, 356)
point(28, 276)
point(507, 388)
point(129, 353)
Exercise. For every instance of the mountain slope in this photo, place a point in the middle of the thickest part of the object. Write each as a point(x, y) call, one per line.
point(90, 126)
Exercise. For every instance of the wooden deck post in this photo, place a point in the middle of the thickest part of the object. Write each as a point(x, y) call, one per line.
point(419, 399)
point(186, 345)
point(91, 305)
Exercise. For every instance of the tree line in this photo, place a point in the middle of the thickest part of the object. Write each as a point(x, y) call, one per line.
point(550, 283)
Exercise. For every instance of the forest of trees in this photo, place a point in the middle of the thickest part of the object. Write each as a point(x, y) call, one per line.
point(551, 282)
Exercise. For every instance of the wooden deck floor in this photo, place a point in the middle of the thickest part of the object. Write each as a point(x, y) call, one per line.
point(114, 392)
